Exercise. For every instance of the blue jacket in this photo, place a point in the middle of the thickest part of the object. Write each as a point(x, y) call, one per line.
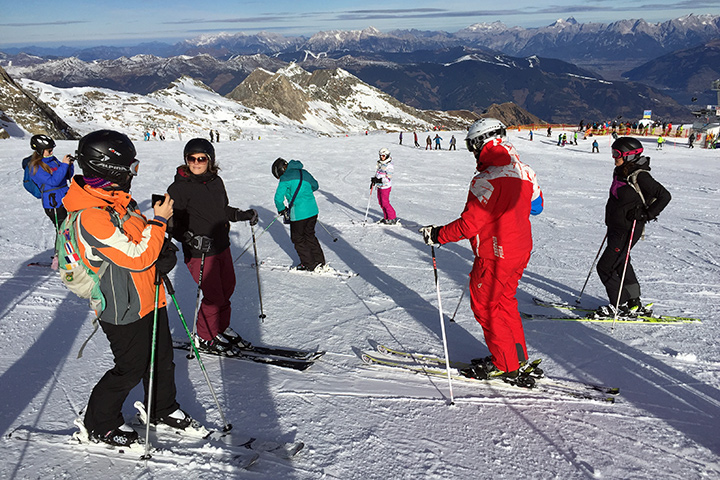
point(53, 185)
point(304, 205)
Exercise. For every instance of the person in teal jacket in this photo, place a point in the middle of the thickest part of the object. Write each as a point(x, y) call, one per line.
point(297, 187)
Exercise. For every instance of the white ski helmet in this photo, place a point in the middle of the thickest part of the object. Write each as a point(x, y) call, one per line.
point(384, 155)
point(482, 130)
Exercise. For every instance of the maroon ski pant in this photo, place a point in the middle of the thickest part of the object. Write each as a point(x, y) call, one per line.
point(218, 285)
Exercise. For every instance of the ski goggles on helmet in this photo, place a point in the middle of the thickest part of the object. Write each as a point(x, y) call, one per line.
point(134, 167)
point(618, 154)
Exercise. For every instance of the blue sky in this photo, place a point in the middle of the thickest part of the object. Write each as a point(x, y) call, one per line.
point(128, 22)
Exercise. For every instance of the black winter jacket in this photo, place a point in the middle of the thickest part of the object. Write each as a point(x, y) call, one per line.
point(624, 199)
point(201, 207)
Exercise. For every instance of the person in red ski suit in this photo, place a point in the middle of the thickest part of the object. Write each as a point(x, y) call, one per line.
point(503, 194)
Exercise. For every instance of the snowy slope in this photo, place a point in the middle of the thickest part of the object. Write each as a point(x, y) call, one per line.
point(368, 422)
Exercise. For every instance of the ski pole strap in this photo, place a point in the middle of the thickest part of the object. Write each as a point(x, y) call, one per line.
point(95, 323)
point(295, 194)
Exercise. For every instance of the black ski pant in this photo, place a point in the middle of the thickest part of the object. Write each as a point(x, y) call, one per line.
point(302, 234)
point(612, 263)
point(130, 345)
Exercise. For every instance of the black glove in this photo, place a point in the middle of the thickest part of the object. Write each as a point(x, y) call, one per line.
point(286, 215)
point(430, 234)
point(375, 181)
point(638, 213)
point(201, 243)
point(167, 259)
point(243, 215)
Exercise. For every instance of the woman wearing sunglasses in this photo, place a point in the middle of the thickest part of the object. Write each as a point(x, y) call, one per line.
point(202, 223)
point(635, 198)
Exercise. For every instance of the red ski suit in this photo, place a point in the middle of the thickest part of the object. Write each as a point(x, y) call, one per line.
point(496, 221)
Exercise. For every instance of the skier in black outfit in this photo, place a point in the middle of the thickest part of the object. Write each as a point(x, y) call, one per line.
point(635, 197)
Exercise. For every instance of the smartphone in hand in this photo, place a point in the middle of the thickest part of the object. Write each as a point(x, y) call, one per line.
point(157, 198)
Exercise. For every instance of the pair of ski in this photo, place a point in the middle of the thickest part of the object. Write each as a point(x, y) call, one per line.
point(195, 446)
point(325, 271)
point(295, 359)
point(640, 319)
point(436, 367)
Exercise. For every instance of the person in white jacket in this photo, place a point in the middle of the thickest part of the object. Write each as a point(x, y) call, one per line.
point(383, 180)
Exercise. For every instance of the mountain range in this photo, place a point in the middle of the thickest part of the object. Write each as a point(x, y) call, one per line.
point(325, 102)
point(562, 73)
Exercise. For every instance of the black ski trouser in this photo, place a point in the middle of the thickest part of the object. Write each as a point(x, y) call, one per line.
point(307, 246)
point(130, 345)
point(611, 264)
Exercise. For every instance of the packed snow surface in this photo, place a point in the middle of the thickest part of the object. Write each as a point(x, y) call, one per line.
point(369, 422)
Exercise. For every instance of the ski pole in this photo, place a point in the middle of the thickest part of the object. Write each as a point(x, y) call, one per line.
point(257, 272)
point(249, 242)
point(151, 380)
point(452, 319)
point(171, 292)
point(334, 238)
point(197, 300)
point(442, 326)
point(622, 279)
point(367, 210)
point(577, 300)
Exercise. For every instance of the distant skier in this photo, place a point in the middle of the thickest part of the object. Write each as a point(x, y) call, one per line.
point(400, 138)
point(595, 146)
point(549, 131)
point(635, 198)
point(503, 194)
point(453, 142)
point(415, 138)
point(383, 180)
point(691, 140)
point(660, 142)
point(428, 143)
point(438, 139)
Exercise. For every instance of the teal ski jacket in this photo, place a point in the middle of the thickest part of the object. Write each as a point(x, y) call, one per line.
point(304, 205)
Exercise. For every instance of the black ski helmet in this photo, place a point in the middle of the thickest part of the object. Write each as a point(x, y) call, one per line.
point(40, 143)
point(200, 145)
point(109, 155)
point(628, 148)
point(278, 167)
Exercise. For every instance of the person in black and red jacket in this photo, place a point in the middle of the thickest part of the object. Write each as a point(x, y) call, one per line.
point(635, 198)
point(202, 223)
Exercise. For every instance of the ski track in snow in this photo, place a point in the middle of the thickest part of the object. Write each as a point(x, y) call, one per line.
point(368, 422)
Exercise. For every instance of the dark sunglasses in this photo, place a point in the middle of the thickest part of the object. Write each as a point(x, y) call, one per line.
point(191, 159)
